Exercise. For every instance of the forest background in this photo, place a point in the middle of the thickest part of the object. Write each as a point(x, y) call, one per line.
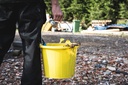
point(88, 10)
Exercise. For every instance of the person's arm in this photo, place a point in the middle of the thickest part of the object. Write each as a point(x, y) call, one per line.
point(56, 10)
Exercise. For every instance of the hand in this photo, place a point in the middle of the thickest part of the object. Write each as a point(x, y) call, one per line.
point(57, 13)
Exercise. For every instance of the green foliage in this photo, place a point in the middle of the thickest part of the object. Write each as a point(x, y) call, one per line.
point(122, 21)
point(48, 6)
point(123, 12)
point(87, 10)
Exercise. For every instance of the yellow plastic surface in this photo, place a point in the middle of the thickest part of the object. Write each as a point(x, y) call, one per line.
point(47, 27)
point(59, 60)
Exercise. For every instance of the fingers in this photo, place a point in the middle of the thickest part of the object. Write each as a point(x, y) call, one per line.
point(58, 17)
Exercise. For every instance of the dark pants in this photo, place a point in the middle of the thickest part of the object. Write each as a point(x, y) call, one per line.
point(30, 18)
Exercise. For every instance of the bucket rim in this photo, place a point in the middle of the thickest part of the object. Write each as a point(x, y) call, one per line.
point(53, 47)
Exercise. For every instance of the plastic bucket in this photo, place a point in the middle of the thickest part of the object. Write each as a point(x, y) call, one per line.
point(58, 60)
point(76, 25)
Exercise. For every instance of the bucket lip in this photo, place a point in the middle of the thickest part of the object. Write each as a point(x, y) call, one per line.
point(53, 47)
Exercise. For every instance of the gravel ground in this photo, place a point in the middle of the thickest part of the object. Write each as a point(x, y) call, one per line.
point(102, 59)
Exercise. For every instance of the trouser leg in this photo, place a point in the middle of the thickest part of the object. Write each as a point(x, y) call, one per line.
point(31, 20)
point(7, 30)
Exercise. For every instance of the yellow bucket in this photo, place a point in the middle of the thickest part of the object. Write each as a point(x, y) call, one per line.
point(59, 60)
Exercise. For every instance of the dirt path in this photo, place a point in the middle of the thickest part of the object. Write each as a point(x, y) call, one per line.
point(102, 59)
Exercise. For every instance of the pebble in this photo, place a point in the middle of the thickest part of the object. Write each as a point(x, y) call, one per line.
point(111, 68)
